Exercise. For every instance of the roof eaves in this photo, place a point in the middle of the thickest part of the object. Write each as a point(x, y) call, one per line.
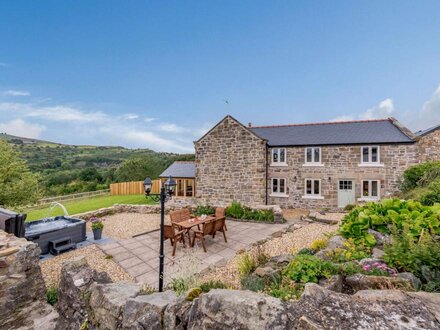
point(403, 129)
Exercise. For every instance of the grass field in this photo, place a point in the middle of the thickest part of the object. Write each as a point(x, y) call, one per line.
point(85, 205)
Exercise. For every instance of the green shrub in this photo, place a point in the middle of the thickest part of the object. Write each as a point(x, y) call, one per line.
point(383, 215)
point(419, 175)
point(204, 209)
point(52, 295)
point(306, 251)
point(178, 285)
point(207, 286)
point(418, 256)
point(305, 268)
point(319, 244)
point(285, 289)
point(246, 264)
point(350, 251)
point(252, 283)
point(349, 268)
point(193, 294)
point(238, 211)
point(97, 223)
point(349, 207)
point(432, 286)
point(432, 195)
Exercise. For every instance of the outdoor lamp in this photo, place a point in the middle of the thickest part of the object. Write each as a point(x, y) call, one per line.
point(170, 185)
point(147, 185)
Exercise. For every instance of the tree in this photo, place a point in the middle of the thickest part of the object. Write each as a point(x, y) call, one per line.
point(138, 168)
point(18, 186)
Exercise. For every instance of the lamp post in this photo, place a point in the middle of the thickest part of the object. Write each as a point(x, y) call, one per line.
point(166, 191)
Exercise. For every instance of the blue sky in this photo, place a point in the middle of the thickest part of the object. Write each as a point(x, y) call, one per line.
point(156, 74)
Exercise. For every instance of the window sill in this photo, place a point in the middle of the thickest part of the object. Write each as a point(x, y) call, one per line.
point(313, 165)
point(312, 197)
point(278, 165)
point(279, 195)
point(371, 165)
point(368, 199)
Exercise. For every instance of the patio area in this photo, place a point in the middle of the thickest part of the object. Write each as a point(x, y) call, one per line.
point(139, 256)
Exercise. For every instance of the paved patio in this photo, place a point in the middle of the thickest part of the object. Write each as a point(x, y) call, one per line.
point(139, 256)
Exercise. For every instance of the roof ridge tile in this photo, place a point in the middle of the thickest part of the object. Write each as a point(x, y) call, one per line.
point(324, 123)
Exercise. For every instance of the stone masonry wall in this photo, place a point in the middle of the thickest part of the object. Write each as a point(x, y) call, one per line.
point(339, 162)
point(231, 165)
point(429, 147)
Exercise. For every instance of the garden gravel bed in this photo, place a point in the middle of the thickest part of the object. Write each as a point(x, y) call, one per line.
point(287, 243)
point(51, 268)
point(127, 225)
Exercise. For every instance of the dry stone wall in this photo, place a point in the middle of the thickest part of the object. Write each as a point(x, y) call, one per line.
point(429, 147)
point(339, 162)
point(231, 165)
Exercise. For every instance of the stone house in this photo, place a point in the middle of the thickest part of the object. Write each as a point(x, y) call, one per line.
point(320, 165)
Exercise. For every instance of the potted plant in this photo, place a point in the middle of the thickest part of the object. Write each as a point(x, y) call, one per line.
point(97, 225)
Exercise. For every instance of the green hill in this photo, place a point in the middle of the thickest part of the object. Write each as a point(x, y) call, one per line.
point(75, 168)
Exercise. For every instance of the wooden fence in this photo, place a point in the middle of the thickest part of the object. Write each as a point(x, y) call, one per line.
point(133, 188)
point(65, 198)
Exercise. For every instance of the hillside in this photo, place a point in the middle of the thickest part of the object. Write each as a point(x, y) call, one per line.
point(75, 168)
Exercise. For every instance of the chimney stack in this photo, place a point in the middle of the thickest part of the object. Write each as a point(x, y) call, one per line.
point(250, 125)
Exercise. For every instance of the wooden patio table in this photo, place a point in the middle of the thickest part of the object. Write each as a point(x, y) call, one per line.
point(188, 224)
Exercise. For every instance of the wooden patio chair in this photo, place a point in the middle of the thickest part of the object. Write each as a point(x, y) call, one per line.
point(175, 235)
point(207, 229)
point(219, 225)
point(220, 213)
point(176, 216)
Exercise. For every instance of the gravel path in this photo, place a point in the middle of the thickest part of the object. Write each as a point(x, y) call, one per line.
point(125, 225)
point(289, 242)
point(51, 268)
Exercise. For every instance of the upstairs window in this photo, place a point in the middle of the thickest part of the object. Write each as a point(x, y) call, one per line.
point(279, 156)
point(370, 189)
point(313, 155)
point(370, 155)
point(279, 186)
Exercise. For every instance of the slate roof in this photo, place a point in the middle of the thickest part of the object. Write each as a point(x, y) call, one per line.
point(180, 169)
point(427, 131)
point(335, 133)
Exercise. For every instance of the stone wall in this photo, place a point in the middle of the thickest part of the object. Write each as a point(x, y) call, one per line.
point(339, 162)
point(231, 165)
point(429, 147)
point(22, 290)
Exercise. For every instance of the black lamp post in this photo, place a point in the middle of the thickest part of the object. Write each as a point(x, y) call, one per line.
point(166, 191)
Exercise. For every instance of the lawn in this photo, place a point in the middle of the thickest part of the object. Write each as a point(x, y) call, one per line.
point(85, 205)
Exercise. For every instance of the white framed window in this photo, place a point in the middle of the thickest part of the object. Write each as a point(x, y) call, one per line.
point(370, 190)
point(370, 155)
point(279, 156)
point(279, 187)
point(312, 156)
point(312, 189)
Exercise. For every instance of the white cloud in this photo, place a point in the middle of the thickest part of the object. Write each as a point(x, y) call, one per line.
point(22, 128)
point(149, 119)
point(171, 128)
point(13, 92)
point(430, 114)
point(384, 109)
point(130, 116)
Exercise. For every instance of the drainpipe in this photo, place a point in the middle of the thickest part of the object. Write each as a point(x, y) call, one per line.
point(266, 174)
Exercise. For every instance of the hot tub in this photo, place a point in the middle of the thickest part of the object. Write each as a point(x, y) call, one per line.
point(56, 234)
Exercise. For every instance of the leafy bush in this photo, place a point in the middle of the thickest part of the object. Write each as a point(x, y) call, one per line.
point(350, 268)
point(238, 211)
point(419, 175)
point(305, 268)
point(432, 286)
point(420, 257)
point(207, 286)
point(319, 244)
point(378, 268)
point(432, 195)
point(246, 264)
point(383, 215)
point(52, 295)
point(204, 209)
point(253, 283)
point(306, 251)
point(285, 289)
point(178, 285)
point(350, 251)
point(349, 207)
